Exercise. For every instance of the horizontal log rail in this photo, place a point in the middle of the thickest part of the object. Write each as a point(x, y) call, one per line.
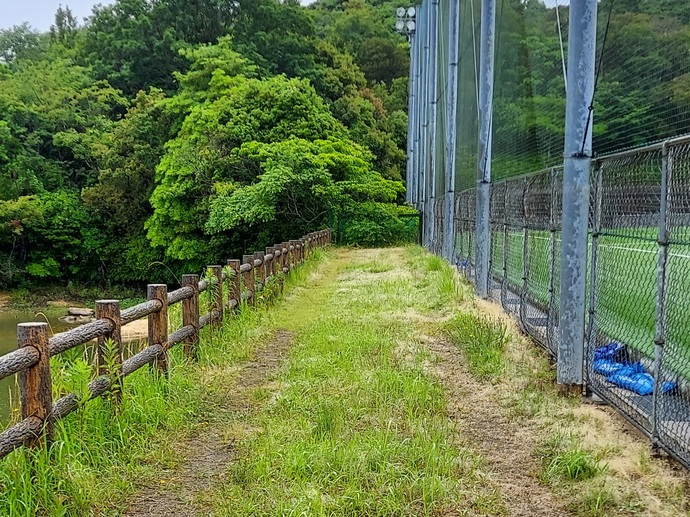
point(31, 360)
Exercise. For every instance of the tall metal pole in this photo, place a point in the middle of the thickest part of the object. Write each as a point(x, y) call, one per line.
point(417, 113)
point(578, 152)
point(433, 120)
point(409, 180)
point(451, 129)
point(486, 98)
point(424, 107)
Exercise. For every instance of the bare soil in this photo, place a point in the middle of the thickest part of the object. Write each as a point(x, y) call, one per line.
point(207, 456)
point(505, 446)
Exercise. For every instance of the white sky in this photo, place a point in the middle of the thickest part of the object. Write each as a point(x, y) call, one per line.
point(41, 13)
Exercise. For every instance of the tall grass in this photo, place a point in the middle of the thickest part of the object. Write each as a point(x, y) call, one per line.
point(483, 340)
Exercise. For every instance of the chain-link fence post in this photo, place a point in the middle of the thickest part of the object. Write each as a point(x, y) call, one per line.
point(593, 272)
point(578, 151)
point(660, 327)
point(486, 93)
point(525, 254)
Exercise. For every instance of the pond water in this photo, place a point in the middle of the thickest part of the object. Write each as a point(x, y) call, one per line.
point(8, 342)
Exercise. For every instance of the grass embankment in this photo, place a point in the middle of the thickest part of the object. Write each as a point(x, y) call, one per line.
point(587, 455)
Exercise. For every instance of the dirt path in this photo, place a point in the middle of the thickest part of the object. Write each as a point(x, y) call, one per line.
point(208, 455)
point(506, 446)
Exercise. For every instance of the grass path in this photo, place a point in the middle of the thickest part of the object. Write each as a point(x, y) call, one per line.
point(380, 387)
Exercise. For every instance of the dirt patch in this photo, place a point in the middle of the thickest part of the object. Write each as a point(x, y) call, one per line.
point(207, 456)
point(505, 445)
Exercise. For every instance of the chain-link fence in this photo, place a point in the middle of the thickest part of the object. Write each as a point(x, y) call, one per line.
point(637, 339)
point(638, 336)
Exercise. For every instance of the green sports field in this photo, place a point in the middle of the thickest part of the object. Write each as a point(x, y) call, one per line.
point(626, 286)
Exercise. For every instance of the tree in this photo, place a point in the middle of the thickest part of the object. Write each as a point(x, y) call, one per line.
point(202, 161)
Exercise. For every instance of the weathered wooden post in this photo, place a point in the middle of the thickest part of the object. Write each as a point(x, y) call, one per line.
point(286, 257)
point(295, 254)
point(259, 255)
point(110, 357)
point(302, 243)
point(217, 295)
point(190, 315)
point(158, 325)
point(236, 285)
point(270, 263)
point(35, 384)
point(249, 278)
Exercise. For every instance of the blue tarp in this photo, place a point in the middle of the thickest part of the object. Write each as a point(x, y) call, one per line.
point(609, 360)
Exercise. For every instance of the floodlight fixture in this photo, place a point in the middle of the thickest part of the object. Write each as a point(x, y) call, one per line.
point(405, 23)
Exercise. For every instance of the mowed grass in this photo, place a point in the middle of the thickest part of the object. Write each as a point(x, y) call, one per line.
point(354, 424)
point(626, 286)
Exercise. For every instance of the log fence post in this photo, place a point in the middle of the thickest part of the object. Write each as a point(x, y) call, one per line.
point(269, 263)
point(109, 358)
point(217, 295)
point(235, 283)
point(286, 256)
point(35, 383)
point(190, 315)
point(262, 268)
point(158, 325)
point(249, 278)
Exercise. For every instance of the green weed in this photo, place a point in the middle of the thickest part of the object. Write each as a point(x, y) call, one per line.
point(483, 340)
point(563, 459)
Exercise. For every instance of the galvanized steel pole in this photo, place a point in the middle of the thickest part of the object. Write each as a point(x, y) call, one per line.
point(577, 163)
point(451, 129)
point(424, 111)
point(486, 97)
point(409, 180)
point(416, 129)
point(433, 120)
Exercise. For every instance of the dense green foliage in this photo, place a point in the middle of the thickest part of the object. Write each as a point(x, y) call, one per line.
point(162, 135)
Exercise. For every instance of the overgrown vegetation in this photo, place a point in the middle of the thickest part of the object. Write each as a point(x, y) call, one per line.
point(103, 453)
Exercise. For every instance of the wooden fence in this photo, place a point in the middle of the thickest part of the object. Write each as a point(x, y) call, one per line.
point(31, 360)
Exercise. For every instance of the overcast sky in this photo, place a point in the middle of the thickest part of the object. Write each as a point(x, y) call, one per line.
point(40, 13)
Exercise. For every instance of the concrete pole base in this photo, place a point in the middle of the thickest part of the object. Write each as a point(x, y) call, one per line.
point(570, 390)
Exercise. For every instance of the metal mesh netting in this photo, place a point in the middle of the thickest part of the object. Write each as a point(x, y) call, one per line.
point(673, 411)
point(498, 218)
point(467, 119)
point(639, 246)
point(529, 94)
point(465, 227)
point(538, 264)
point(627, 204)
point(643, 93)
point(514, 239)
